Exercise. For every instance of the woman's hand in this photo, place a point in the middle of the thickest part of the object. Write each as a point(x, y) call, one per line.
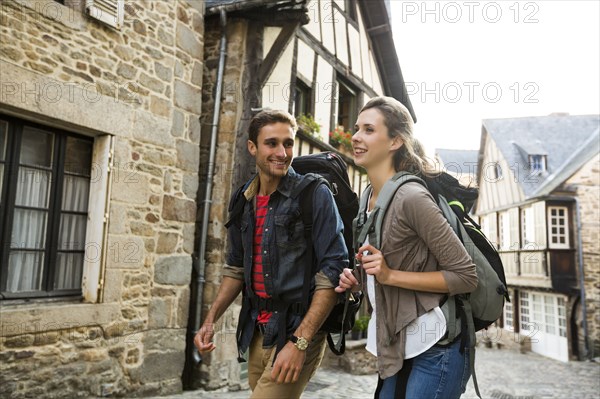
point(347, 281)
point(374, 263)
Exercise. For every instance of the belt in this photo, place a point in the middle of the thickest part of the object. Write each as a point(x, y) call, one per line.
point(267, 304)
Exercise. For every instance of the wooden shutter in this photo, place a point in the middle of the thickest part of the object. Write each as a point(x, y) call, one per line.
point(539, 217)
point(108, 11)
point(513, 227)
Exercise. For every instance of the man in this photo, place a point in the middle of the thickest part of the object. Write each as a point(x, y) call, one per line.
point(265, 259)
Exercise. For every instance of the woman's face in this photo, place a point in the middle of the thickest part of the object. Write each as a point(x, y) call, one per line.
point(371, 142)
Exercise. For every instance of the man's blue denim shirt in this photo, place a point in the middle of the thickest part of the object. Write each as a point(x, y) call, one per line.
point(283, 247)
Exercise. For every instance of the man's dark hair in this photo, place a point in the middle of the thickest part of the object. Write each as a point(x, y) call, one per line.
point(269, 117)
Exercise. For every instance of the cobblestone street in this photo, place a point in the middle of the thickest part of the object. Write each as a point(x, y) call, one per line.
point(502, 374)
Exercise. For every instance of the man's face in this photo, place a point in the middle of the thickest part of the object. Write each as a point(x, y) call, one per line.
point(274, 149)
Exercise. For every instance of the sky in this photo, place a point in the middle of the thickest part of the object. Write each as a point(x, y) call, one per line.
point(464, 61)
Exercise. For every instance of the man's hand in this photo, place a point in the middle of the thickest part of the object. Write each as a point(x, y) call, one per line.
point(228, 291)
point(203, 338)
point(288, 364)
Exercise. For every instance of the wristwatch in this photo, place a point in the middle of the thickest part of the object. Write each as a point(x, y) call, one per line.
point(300, 342)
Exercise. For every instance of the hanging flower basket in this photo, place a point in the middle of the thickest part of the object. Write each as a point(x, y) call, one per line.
point(341, 139)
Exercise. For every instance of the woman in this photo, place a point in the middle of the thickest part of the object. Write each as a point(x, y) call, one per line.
point(419, 263)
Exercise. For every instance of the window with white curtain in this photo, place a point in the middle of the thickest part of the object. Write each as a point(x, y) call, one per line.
point(44, 190)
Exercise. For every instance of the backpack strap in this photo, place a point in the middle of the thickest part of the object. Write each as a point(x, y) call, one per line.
point(374, 222)
point(306, 211)
point(466, 311)
point(236, 206)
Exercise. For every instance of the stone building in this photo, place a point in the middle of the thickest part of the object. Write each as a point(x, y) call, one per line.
point(99, 153)
point(539, 181)
point(112, 204)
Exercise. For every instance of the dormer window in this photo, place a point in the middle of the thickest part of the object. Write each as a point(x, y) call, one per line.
point(497, 170)
point(537, 163)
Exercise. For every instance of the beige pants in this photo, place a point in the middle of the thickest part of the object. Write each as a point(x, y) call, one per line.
point(260, 365)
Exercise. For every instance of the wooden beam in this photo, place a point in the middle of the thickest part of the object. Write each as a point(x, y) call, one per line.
point(252, 99)
point(275, 53)
point(334, 62)
point(379, 30)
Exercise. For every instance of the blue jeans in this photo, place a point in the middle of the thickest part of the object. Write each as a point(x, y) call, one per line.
point(439, 373)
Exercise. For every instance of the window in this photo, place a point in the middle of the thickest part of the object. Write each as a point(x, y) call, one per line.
point(527, 229)
point(504, 231)
point(537, 163)
point(524, 310)
point(302, 99)
point(558, 224)
point(561, 313)
point(45, 187)
point(508, 316)
point(347, 106)
point(543, 312)
point(497, 171)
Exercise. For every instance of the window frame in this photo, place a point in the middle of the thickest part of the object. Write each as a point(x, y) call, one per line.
point(497, 171)
point(352, 115)
point(525, 315)
point(537, 163)
point(509, 316)
point(551, 235)
point(16, 127)
point(306, 101)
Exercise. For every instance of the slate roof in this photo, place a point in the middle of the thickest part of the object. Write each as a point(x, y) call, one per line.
point(465, 159)
point(567, 141)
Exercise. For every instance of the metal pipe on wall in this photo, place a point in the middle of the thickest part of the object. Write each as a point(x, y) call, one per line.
point(200, 261)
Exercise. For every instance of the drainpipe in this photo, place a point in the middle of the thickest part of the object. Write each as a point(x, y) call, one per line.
point(581, 279)
point(200, 260)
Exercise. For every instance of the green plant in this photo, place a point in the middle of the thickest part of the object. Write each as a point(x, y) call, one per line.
point(307, 124)
point(342, 138)
point(361, 324)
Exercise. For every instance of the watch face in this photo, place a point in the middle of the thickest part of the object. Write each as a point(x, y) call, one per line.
point(301, 343)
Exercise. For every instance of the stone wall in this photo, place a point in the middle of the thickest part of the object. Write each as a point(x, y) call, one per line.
point(587, 183)
point(221, 368)
point(142, 85)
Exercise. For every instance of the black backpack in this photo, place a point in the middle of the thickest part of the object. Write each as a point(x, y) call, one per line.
point(334, 172)
point(329, 169)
